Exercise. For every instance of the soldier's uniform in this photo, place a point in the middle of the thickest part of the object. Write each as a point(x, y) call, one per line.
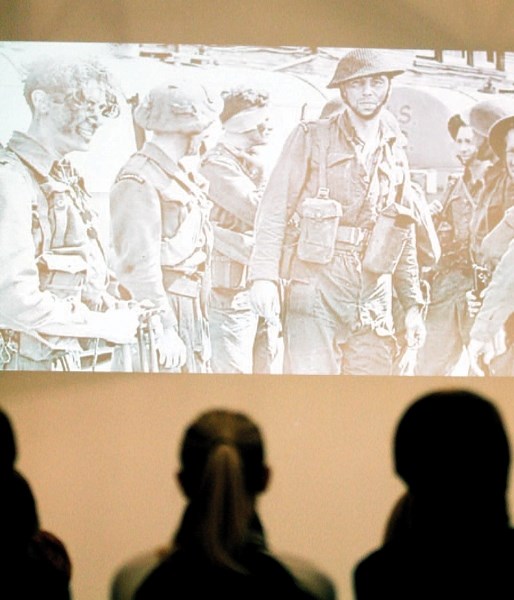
point(50, 252)
point(162, 241)
point(239, 337)
point(337, 313)
point(493, 233)
point(448, 321)
point(491, 226)
point(496, 198)
point(498, 302)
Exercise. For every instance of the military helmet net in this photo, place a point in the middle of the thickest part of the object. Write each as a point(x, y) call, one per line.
point(176, 107)
point(484, 114)
point(363, 62)
point(498, 134)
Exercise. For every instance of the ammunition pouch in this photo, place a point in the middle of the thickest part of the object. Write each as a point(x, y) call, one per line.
point(387, 240)
point(183, 284)
point(318, 229)
point(36, 349)
point(227, 273)
point(63, 274)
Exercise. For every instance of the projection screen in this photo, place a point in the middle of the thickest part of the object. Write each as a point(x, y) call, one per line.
point(100, 451)
point(396, 246)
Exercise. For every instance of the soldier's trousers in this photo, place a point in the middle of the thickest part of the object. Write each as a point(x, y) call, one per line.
point(337, 320)
point(241, 341)
point(193, 329)
point(447, 323)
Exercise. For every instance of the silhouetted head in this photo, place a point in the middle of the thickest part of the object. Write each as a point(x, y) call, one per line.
point(452, 437)
point(227, 435)
point(222, 470)
point(451, 449)
point(8, 451)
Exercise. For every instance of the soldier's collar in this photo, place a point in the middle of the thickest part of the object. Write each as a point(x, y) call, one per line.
point(388, 133)
point(32, 153)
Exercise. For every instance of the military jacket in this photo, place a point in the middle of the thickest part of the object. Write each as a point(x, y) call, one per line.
point(235, 190)
point(496, 197)
point(498, 303)
point(160, 226)
point(48, 243)
point(454, 222)
point(361, 190)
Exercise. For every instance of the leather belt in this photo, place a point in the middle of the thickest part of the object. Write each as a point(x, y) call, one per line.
point(352, 235)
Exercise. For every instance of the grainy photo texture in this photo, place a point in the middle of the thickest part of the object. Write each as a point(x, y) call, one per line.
point(220, 209)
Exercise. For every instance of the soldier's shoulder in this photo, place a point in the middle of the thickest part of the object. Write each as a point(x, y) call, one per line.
point(219, 156)
point(310, 126)
point(136, 169)
point(12, 168)
point(9, 159)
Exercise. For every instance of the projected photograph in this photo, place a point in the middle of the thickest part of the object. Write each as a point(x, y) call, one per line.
point(170, 208)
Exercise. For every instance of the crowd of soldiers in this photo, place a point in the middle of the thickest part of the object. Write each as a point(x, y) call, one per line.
point(333, 263)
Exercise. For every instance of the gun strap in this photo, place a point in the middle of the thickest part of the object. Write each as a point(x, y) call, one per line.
point(323, 138)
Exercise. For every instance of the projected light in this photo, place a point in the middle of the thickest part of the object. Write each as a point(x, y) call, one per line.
point(358, 227)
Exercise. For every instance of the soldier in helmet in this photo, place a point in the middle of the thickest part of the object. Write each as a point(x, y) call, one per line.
point(336, 215)
point(489, 232)
point(162, 238)
point(54, 280)
point(448, 321)
point(241, 341)
point(498, 304)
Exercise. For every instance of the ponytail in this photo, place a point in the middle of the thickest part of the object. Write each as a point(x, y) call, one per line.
point(223, 469)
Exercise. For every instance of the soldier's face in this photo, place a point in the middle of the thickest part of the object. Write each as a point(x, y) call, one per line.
point(466, 145)
point(509, 152)
point(72, 122)
point(366, 95)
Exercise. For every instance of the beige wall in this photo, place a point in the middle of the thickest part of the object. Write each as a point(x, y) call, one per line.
point(100, 453)
point(100, 450)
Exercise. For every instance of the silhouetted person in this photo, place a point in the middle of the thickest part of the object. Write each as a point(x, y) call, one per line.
point(219, 550)
point(449, 536)
point(33, 563)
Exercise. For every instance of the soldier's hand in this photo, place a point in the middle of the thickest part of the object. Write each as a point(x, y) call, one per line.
point(170, 349)
point(479, 353)
point(407, 362)
point(265, 299)
point(415, 331)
